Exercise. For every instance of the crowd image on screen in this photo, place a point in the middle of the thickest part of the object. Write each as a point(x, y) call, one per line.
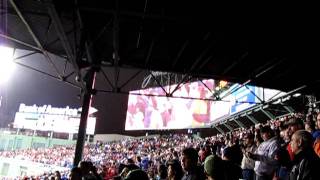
point(283, 148)
point(161, 112)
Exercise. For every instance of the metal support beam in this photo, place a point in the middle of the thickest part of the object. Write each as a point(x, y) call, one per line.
point(257, 107)
point(235, 63)
point(198, 60)
point(35, 38)
point(87, 98)
point(149, 53)
point(215, 96)
point(116, 56)
point(140, 31)
point(252, 119)
point(268, 114)
point(274, 96)
point(158, 82)
point(88, 82)
point(62, 34)
point(26, 55)
point(130, 79)
point(236, 89)
point(288, 108)
point(132, 14)
point(240, 124)
point(20, 42)
point(106, 77)
point(271, 65)
point(254, 93)
point(185, 78)
point(47, 74)
point(179, 53)
point(219, 129)
point(229, 127)
point(205, 62)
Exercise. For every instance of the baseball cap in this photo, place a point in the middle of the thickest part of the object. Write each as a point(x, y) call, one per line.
point(211, 165)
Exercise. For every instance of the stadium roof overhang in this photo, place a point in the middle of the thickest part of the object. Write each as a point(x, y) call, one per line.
point(284, 105)
point(160, 36)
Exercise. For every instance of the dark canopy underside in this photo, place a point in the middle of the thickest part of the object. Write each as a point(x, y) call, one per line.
point(202, 40)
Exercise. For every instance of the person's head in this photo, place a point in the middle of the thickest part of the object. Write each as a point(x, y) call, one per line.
point(162, 170)
point(174, 169)
point(212, 166)
point(189, 159)
point(175, 154)
point(137, 174)
point(130, 161)
point(309, 126)
point(139, 159)
point(57, 175)
point(248, 139)
point(294, 125)
point(266, 133)
point(85, 167)
point(318, 121)
point(75, 174)
point(301, 140)
point(227, 154)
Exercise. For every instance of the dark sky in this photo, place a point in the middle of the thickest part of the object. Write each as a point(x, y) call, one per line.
point(31, 87)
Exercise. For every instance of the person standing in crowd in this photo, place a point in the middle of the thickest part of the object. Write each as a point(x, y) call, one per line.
point(175, 171)
point(229, 164)
point(57, 175)
point(137, 174)
point(317, 141)
point(162, 172)
point(294, 124)
point(75, 174)
point(247, 164)
point(87, 170)
point(310, 126)
point(190, 165)
point(306, 162)
point(214, 169)
point(283, 156)
point(265, 161)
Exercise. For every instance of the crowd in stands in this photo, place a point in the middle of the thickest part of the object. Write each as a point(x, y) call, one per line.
point(286, 148)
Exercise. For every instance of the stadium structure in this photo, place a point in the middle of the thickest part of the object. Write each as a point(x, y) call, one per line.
point(142, 45)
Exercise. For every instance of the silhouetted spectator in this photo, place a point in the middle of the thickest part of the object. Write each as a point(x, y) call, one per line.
point(190, 165)
point(306, 162)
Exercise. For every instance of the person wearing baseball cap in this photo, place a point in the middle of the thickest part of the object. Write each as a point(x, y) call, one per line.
point(213, 168)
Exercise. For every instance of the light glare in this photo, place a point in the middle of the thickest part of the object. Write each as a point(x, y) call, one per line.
point(6, 63)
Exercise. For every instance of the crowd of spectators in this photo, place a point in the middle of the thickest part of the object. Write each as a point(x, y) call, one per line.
point(286, 148)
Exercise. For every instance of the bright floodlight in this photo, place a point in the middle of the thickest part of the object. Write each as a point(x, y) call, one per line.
point(6, 63)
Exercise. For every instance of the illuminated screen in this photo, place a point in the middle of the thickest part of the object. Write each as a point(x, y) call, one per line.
point(155, 112)
point(180, 112)
point(47, 118)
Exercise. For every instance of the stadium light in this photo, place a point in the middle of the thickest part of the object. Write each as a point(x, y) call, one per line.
point(6, 63)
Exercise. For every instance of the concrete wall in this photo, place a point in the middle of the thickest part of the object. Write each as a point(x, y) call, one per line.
point(13, 142)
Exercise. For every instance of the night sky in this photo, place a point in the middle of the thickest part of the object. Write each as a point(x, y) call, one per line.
point(31, 87)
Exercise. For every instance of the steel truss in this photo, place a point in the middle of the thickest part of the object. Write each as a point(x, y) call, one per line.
point(85, 66)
